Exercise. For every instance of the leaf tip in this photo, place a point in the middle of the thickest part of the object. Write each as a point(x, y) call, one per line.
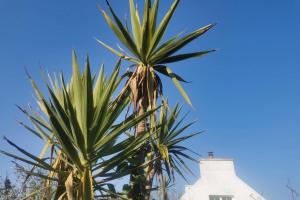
point(27, 73)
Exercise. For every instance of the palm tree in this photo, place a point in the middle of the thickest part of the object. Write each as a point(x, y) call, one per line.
point(79, 124)
point(150, 56)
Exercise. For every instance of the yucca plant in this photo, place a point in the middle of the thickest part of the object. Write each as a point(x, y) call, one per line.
point(167, 146)
point(150, 55)
point(147, 50)
point(79, 124)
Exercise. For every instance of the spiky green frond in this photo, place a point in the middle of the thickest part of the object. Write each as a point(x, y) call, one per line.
point(81, 121)
point(145, 43)
point(167, 142)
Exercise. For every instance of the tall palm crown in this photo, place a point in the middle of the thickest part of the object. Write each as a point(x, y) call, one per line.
point(146, 48)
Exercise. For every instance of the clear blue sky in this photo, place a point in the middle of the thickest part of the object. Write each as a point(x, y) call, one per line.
point(247, 95)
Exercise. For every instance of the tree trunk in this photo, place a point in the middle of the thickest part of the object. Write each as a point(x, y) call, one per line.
point(149, 178)
point(140, 97)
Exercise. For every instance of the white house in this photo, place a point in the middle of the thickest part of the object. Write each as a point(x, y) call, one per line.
point(219, 182)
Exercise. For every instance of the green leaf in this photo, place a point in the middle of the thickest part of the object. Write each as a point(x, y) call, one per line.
point(181, 57)
point(102, 108)
point(74, 125)
point(34, 117)
point(179, 87)
point(120, 31)
point(177, 167)
point(153, 18)
point(178, 140)
point(64, 140)
point(135, 24)
point(88, 101)
point(121, 128)
point(163, 26)
point(99, 86)
point(77, 89)
point(23, 160)
point(179, 44)
point(145, 31)
point(165, 44)
point(163, 70)
point(173, 116)
point(175, 133)
point(36, 159)
point(41, 134)
point(118, 53)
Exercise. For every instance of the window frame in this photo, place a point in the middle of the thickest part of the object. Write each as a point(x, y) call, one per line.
point(220, 197)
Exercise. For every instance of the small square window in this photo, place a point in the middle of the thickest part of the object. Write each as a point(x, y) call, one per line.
point(220, 197)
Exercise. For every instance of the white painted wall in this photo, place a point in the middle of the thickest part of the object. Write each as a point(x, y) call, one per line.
point(218, 177)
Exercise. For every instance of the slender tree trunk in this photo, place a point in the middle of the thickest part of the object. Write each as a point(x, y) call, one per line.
point(149, 178)
point(87, 184)
point(140, 97)
point(142, 126)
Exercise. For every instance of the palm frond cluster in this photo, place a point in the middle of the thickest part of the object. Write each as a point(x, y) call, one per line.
point(91, 136)
point(79, 122)
point(146, 46)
